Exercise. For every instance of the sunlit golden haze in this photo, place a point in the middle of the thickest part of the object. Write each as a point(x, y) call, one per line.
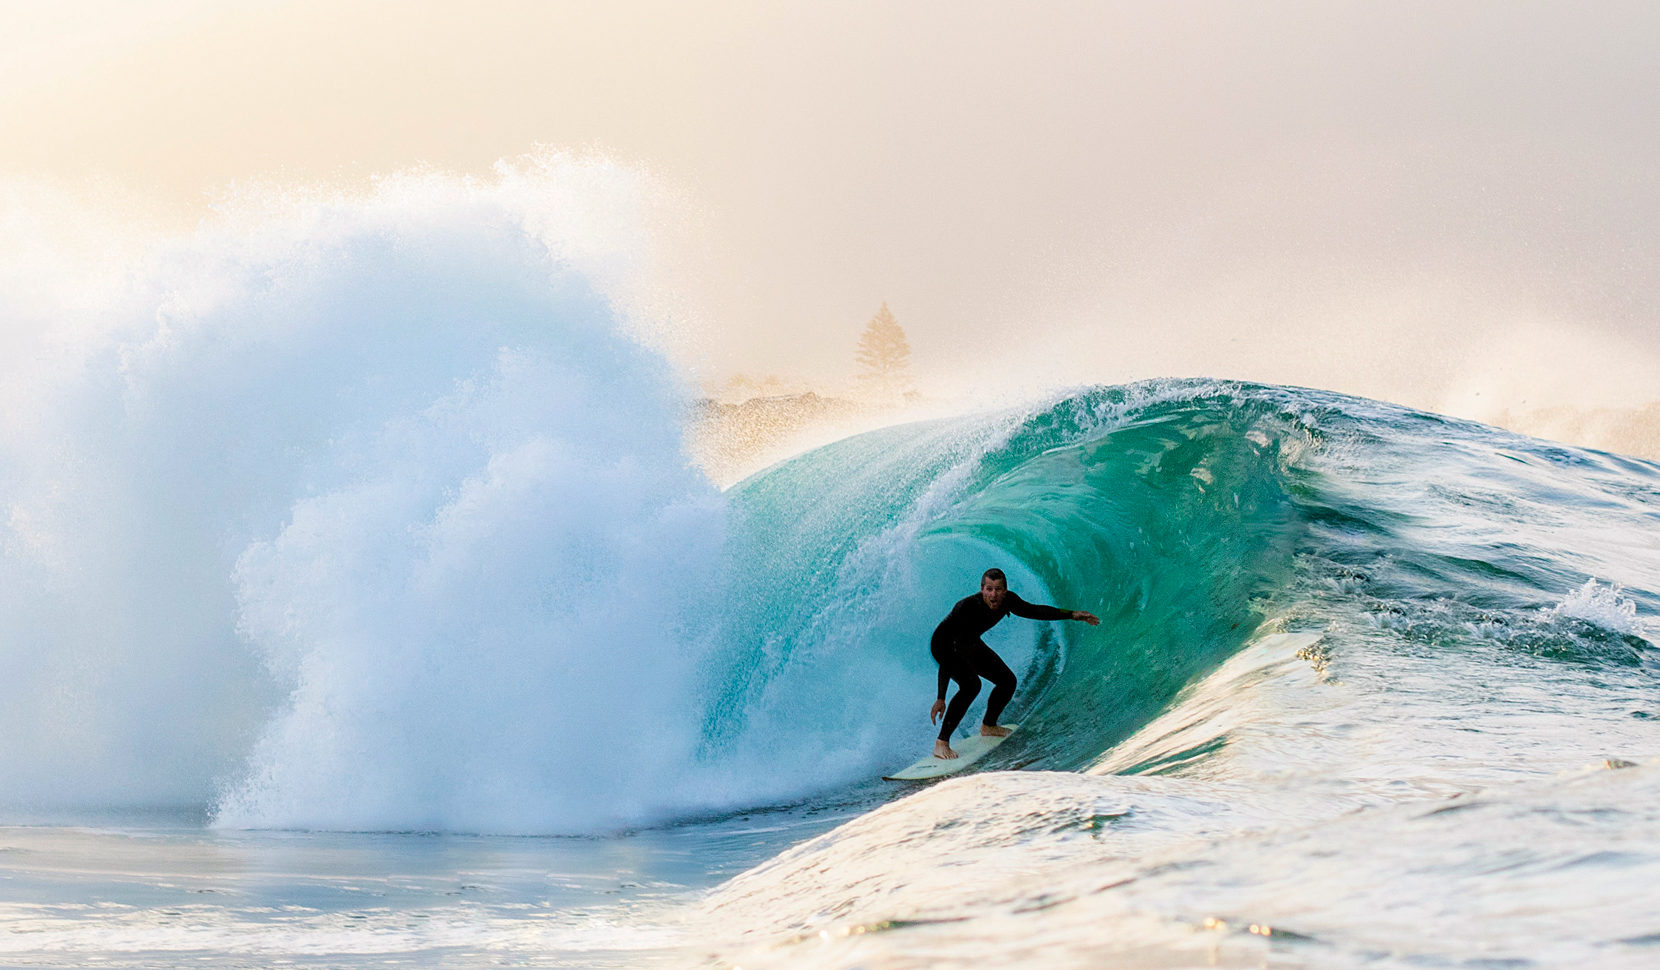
point(1447, 204)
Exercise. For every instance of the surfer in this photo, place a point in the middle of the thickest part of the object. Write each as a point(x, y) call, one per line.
point(965, 658)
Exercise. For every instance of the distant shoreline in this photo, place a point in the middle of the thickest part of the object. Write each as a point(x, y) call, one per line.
point(729, 440)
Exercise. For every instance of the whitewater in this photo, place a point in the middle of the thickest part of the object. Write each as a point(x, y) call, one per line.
point(362, 609)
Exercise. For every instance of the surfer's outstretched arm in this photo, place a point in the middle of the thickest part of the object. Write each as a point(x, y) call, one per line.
point(1037, 611)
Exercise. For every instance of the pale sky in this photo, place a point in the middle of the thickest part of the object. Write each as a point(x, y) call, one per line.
point(1453, 205)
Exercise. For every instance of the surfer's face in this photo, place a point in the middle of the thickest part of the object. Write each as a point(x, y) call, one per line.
point(993, 591)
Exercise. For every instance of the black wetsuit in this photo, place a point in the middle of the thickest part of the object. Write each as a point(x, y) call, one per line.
point(965, 658)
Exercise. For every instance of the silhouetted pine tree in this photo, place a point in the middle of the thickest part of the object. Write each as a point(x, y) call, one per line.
point(884, 355)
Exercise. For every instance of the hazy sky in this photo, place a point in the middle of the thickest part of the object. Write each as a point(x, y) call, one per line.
point(1450, 204)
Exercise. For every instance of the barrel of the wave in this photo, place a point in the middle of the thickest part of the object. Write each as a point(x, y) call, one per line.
point(1172, 517)
point(1168, 515)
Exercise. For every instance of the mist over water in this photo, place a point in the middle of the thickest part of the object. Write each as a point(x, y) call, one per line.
point(351, 533)
point(374, 513)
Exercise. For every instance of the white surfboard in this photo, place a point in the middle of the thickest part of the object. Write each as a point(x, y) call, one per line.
point(969, 750)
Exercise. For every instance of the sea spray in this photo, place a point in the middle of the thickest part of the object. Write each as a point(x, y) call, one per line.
point(497, 629)
point(1603, 606)
point(362, 512)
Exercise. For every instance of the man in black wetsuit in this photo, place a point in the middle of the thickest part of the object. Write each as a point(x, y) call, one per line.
point(965, 658)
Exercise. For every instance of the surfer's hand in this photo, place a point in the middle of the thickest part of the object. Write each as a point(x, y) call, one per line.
point(935, 712)
point(1089, 618)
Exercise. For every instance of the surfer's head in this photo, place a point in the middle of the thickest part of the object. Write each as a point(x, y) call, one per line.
point(993, 587)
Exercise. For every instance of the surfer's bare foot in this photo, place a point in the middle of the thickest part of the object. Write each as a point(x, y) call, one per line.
point(993, 731)
point(943, 750)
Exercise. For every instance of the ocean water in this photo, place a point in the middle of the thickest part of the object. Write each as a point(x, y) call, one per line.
point(361, 609)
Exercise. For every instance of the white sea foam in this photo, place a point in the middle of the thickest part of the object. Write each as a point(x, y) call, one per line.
point(370, 512)
point(1604, 606)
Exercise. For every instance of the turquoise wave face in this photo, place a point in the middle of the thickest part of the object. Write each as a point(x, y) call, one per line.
point(1187, 515)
